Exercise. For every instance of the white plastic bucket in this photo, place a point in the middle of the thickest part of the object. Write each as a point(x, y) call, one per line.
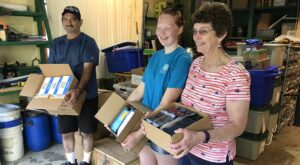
point(9, 112)
point(11, 143)
point(11, 137)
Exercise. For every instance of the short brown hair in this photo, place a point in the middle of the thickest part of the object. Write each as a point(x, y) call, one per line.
point(175, 12)
point(217, 14)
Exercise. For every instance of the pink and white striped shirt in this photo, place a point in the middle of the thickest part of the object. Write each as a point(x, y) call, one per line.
point(208, 92)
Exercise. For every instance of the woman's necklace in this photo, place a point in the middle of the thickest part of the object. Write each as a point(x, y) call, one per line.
point(212, 67)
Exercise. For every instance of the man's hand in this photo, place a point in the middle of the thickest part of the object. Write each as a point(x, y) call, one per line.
point(71, 96)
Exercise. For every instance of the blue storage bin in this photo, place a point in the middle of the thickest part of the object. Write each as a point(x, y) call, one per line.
point(124, 60)
point(262, 85)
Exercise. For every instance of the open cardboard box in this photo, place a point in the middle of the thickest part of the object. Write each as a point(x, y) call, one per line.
point(163, 139)
point(103, 95)
point(111, 109)
point(55, 105)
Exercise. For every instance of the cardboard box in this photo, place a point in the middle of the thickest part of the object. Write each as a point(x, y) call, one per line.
point(162, 139)
point(101, 133)
point(109, 152)
point(103, 95)
point(239, 4)
point(255, 54)
point(111, 109)
point(264, 21)
point(256, 64)
point(53, 106)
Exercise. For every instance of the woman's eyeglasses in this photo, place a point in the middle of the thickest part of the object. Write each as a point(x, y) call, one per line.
point(201, 32)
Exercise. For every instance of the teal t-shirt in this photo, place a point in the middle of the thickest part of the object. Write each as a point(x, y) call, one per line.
point(165, 71)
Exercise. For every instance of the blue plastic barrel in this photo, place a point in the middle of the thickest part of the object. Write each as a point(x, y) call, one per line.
point(56, 136)
point(36, 130)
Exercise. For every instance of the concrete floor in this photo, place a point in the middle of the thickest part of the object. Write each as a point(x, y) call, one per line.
point(284, 150)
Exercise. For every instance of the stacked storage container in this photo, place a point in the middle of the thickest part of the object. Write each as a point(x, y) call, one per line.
point(252, 142)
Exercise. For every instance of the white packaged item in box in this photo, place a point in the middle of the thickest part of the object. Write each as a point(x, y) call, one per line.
point(54, 85)
point(63, 87)
point(45, 87)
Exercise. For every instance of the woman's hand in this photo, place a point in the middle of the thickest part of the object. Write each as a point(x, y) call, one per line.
point(132, 139)
point(190, 139)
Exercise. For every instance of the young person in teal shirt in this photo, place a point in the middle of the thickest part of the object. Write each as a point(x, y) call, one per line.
point(163, 81)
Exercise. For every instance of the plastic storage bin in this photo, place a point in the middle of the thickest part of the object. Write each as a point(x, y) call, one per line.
point(276, 53)
point(124, 60)
point(124, 89)
point(258, 120)
point(250, 146)
point(262, 85)
point(272, 122)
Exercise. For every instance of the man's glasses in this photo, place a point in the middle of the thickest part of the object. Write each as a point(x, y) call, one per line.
point(201, 32)
point(72, 9)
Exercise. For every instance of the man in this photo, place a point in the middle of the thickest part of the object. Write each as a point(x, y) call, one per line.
point(81, 52)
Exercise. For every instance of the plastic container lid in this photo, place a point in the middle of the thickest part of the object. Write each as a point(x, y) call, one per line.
point(255, 137)
point(31, 113)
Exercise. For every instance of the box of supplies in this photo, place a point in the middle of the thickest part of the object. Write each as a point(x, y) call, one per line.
point(48, 90)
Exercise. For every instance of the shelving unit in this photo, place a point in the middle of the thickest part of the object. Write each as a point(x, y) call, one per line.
point(290, 88)
point(248, 17)
point(40, 16)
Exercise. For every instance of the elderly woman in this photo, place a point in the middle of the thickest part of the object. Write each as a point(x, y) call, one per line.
point(216, 85)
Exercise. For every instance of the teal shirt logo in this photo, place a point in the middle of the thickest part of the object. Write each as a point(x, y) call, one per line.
point(164, 69)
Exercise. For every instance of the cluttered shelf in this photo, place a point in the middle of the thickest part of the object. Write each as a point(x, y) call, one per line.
point(276, 8)
point(9, 43)
point(10, 90)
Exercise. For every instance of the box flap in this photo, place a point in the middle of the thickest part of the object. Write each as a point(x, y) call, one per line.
point(115, 151)
point(110, 109)
point(32, 85)
point(56, 69)
point(104, 91)
point(44, 103)
point(139, 106)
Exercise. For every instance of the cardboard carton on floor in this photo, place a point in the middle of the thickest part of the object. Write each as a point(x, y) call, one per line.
point(53, 106)
point(107, 151)
point(101, 133)
point(111, 109)
point(162, 139)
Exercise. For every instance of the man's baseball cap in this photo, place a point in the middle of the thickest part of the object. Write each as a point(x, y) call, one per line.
point(72, 9)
